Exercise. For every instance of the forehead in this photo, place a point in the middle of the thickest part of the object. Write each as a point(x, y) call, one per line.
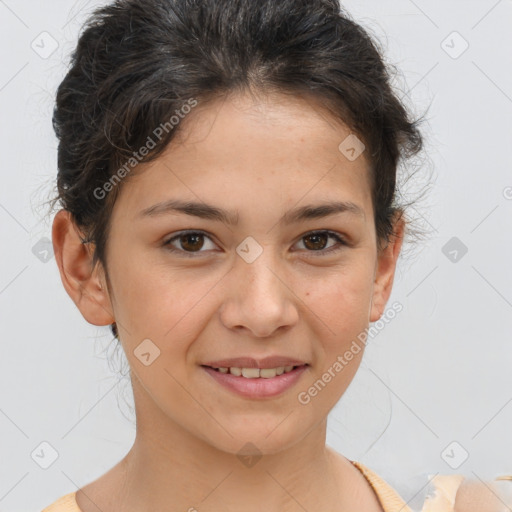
point(239, 146)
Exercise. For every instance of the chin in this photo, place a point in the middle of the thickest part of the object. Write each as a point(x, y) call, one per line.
point(255, 442)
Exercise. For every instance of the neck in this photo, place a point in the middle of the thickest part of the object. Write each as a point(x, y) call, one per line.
point(168, 466)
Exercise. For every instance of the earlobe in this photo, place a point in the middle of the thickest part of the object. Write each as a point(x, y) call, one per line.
point(385, 272)
point(82, 282)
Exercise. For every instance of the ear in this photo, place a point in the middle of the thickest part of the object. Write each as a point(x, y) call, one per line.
point(385, 271)
point(86, 286)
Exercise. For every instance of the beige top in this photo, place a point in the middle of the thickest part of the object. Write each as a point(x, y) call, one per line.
point(387, 496)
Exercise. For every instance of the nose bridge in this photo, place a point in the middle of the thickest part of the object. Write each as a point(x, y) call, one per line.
point(257, 297)
point(258, 275)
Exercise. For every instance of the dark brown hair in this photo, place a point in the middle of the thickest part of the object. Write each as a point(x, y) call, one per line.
point(137, 62)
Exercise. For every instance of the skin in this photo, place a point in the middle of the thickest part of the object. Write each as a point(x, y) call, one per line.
point(479, 496)
point(455, 493)
point(260, 156)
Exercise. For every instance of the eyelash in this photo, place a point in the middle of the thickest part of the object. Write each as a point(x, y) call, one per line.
point(321, 252)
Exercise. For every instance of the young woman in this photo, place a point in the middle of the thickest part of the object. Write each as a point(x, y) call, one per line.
point(227, 177)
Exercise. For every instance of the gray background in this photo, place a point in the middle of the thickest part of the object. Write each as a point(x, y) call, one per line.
point(434, 391)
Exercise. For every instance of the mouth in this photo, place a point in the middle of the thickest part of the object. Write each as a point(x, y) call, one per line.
point(255, 373)
point(256, 383)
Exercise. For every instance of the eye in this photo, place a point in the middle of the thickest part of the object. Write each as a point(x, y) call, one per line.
point(191, 241)
point(317, 240)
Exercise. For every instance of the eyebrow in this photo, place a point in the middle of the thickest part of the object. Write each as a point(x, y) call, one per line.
point(210, 212)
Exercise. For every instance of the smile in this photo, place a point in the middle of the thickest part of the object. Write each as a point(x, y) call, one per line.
point(256, 373)
point(257, 382)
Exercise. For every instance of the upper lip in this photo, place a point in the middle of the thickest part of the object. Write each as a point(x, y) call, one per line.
point(250, 362)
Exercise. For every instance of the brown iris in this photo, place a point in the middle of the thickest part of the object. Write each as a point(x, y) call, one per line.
point(191, 241)
point(318, 239)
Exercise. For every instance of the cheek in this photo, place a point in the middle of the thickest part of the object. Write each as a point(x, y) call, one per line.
point(341, 302)
point(338, 308)
point(158, 302)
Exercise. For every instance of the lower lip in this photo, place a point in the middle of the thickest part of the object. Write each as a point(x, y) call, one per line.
point(260, 387)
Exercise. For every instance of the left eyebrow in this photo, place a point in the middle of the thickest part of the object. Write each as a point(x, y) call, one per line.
point(210, 212)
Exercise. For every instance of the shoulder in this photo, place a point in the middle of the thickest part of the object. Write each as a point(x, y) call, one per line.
point(456, 492)
point(389, 499)
point(66, 503)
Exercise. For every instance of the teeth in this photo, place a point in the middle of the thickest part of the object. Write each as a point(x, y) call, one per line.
point(268, 373)
point(250, 373)
point(255, 373)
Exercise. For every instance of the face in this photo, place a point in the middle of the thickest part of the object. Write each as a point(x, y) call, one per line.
point(260, 281)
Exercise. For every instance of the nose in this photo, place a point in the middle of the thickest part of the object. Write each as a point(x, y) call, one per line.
point(258, 297)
